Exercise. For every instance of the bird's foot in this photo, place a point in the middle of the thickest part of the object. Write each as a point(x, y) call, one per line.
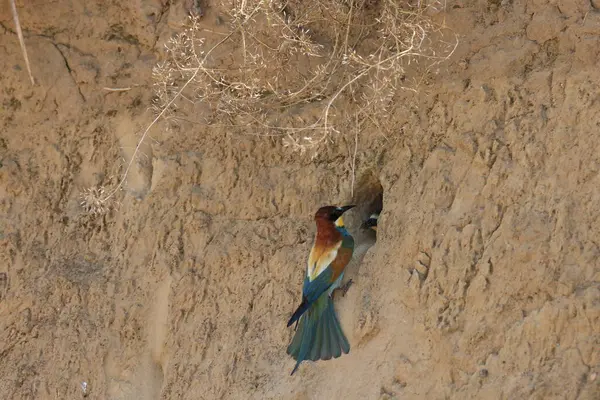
point(344, 288)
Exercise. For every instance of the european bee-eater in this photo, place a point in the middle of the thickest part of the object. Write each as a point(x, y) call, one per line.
point(371, 222)
point(319, 335)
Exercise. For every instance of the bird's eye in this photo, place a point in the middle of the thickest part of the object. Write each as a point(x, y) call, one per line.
point(335, 214)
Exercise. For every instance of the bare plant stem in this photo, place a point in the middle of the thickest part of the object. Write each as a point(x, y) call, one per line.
point(348, 27)
point(123, 89)
point(353, 172)
point(159, 116)
point(13, 7)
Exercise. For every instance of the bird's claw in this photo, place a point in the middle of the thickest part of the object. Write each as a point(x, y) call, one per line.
point(344, 288)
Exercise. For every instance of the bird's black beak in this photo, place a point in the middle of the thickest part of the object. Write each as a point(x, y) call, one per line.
point(346, 208)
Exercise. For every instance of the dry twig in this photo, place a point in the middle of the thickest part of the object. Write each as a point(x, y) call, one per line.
point(13, 8)
point(281, 67)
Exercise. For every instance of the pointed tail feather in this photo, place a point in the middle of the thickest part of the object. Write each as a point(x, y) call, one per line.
point(319, 335)
point(337, 337)
point(299, 311)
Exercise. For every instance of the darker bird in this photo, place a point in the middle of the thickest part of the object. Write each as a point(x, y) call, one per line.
point(371, 223)
point(319, 335)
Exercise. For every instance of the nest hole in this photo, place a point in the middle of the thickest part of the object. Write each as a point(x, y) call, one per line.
point(368, 197)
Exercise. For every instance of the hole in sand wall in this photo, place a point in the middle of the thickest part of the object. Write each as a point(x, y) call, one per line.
point(368, 198)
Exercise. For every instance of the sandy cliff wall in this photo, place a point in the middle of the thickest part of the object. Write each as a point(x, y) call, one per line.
point(484, 281)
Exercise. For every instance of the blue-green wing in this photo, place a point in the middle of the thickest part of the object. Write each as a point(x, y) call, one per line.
point(311, 290)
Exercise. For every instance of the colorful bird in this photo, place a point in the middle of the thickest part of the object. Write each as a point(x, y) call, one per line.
point(371, 222)
point(319, 335)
